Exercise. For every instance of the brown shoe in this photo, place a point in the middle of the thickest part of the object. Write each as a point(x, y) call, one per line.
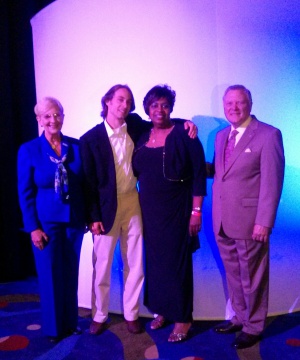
point(134, 327)
point(97, 328)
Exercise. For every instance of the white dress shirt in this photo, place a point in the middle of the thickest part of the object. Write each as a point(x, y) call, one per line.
point(241, 129)
point(122, 146)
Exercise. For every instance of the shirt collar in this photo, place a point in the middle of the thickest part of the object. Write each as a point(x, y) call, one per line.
point(242, 128)
point(117, 131)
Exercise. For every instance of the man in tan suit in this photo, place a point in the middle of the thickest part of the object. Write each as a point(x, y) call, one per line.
point(248, 179)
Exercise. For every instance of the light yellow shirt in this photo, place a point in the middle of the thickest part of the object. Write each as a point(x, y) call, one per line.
point(241, 129)
point(122, 147)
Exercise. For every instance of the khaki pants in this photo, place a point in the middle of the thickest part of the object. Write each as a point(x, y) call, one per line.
point(127, 228)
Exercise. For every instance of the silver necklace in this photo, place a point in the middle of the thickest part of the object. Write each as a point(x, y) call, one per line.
point(152, 135)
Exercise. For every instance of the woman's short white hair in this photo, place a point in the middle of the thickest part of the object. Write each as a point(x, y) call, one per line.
point(45, 103)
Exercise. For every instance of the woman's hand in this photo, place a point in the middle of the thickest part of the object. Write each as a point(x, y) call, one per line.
point(192, 129)
point(39, 238)
point(195, 224)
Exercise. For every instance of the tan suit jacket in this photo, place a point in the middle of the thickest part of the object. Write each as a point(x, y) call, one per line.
point(249, 190)
point(246, 193)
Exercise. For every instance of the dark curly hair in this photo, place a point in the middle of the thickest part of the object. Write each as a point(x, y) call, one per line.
point(158, 92)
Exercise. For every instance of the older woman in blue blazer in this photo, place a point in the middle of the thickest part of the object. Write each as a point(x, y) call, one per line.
point(51, 199)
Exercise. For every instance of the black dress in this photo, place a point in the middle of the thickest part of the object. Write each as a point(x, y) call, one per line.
point(166, 208)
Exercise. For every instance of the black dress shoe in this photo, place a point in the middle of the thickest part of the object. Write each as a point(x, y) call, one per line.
point(227, 328)
point(245, 340)
point(76, 331)
point(54, 339)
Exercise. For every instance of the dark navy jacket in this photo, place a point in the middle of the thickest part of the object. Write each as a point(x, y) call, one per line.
point(99, 168)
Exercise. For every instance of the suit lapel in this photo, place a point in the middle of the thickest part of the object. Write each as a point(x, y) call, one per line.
point(46, 148)
point(223, 142)
point(102, 145)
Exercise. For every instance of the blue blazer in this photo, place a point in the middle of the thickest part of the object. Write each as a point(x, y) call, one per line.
point(37, 196)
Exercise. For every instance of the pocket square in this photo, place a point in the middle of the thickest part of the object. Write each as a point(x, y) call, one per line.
point(248, 150)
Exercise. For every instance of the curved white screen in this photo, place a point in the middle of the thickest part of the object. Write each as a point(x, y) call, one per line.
point(82, 48)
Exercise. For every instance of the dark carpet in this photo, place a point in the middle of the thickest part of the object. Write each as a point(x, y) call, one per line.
point(21, 336)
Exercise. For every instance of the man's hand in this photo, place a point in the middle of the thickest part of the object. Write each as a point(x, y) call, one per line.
point(261, 233)
point(192, 129)
point(96, 228)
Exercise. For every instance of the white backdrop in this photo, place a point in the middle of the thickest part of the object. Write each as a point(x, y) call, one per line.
point(198, 47)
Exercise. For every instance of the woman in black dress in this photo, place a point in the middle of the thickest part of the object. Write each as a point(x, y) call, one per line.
point(170, 167)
